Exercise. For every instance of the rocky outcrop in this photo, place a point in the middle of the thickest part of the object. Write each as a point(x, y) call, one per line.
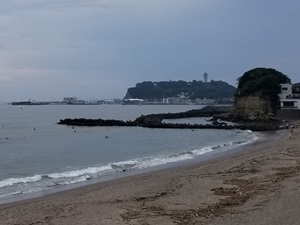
point(256, 98)
point(252, 108)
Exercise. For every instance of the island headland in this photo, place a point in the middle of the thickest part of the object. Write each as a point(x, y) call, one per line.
point(256, 102)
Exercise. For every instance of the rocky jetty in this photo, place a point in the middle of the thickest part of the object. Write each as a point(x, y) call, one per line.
point(156, 121)
point(93, 122)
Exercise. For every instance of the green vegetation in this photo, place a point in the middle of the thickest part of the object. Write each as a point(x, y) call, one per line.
point(264, 82)
point(193, 90)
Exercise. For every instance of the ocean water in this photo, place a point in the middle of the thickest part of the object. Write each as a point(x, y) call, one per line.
point(37, 154)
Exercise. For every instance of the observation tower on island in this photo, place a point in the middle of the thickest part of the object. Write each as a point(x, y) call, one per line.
point(205, 77)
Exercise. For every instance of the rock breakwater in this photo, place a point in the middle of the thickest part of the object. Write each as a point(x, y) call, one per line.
point(155, 121)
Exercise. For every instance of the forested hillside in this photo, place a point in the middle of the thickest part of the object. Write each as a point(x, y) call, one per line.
point(193, 90)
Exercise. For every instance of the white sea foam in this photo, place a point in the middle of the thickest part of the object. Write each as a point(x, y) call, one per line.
point(160, 160)
point(80, 175)
point(10, 194)
point(75, 180)
point(81, 172)
point(12, 181)
point(165, 159)
point(46, 181)
point(124, 164)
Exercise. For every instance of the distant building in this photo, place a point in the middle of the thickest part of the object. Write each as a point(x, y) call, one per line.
point(227, 100)
point(204, 101)
point(205, 77)
point(290, 96)
point(70, 100)
point(132, 101)
point(296, 88)
point(73, 101)
point(166, 101)
point(286, 90)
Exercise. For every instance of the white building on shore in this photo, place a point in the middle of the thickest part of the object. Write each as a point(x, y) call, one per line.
point(290, 96)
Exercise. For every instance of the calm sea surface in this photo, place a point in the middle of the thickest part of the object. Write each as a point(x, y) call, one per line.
point(37, 154)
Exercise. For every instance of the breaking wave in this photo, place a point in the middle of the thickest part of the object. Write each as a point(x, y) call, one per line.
point(40, 182)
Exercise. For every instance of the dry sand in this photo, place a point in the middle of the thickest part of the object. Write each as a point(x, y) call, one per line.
point(259, 185)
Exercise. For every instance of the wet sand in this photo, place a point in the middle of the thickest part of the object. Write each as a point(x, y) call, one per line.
point(258, 185)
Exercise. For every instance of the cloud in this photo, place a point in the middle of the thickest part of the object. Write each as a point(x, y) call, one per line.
point(21, 5)
point(123, 42)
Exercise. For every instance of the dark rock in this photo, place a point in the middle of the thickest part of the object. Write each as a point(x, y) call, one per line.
point(155, 121)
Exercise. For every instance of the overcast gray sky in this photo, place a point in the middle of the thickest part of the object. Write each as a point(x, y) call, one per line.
point(50, 49)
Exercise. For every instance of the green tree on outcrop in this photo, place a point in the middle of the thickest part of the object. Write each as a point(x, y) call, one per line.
point(262, 81)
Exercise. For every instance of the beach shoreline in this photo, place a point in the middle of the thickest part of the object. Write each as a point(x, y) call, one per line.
point(230, 189)
point(204, 158)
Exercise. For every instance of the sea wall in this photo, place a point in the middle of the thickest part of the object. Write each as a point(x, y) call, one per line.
point(288, 114)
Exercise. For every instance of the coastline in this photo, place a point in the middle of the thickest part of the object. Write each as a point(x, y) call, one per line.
point(231, 189)
point(220, 151)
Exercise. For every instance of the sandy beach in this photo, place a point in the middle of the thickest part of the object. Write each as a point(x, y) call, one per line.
point(258, 185)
